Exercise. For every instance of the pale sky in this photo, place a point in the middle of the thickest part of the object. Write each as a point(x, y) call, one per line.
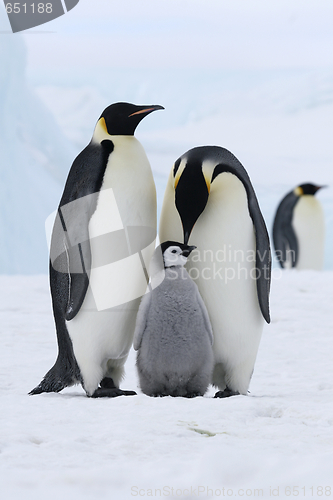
point(222, 34)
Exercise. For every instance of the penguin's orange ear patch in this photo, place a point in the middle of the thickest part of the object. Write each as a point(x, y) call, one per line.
point(208, 184)
point(177, 171)
point(298, 191)
point(103, 124)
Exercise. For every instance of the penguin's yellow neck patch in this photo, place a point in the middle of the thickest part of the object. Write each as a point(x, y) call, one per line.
point(101, 131)
point(207, 170)
point(179, 173)
point(103, 124)
point(298, 191)
point(207, 183)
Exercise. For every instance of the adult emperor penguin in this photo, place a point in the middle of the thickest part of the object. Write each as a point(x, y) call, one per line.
point(209, 197)
point(173, 334)
point(299, 229)
point(103, 234)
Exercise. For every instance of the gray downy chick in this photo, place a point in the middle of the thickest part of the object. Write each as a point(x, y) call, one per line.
point(173, 334)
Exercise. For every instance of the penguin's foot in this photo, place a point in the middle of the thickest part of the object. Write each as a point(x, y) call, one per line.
point(108, 389)
point(107, 383)
point(104, 392)
point(226, 393)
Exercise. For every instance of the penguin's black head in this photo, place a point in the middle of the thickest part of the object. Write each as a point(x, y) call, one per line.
point(308, 189)
point(122, 118)
point(175, 253)
point(191, 193)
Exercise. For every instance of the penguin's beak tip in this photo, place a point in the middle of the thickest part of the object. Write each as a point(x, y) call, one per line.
point(321, 187)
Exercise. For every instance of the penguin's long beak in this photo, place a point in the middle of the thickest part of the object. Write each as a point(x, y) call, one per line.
point(146, 110)
point(321, 187)
point(191, 196)
point(188, 250)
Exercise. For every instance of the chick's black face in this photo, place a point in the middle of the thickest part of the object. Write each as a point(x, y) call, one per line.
point(122, 118)
point(183, 249)
point(175, 253)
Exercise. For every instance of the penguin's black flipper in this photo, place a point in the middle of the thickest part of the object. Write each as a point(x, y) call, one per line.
point(70, 255)
point(284, 237)
point(263, 253)
point(77, 205)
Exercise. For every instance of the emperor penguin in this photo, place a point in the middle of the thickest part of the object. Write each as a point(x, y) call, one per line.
point(103, 235)
point(299, 229)
point(209, 197)
point(173, 334)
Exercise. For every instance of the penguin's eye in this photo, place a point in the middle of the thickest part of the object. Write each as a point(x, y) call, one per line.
point(173, 251)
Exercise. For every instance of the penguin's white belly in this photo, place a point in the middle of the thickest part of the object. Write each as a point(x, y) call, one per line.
point(102, 340)
point(102, 331)
point(223, 266)
point(309, 226)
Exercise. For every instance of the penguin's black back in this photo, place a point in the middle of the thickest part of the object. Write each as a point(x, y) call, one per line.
point(284, 236)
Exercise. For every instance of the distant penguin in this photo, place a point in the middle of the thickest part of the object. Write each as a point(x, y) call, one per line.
point(299, 229)
point(209, 197)
point(104, 232)
point(173, 335)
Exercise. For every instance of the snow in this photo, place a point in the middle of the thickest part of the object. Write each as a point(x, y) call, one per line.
point(68, 446)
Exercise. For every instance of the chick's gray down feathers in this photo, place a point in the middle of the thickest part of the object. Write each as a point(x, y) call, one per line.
point(173, 337)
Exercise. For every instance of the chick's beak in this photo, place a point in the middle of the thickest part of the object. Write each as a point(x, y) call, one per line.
point(188, 250)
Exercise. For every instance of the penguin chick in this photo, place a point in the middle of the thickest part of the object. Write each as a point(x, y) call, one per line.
point(173, 334)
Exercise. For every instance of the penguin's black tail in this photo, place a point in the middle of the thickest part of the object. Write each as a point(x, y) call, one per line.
point(50, 383)
point(62, 374)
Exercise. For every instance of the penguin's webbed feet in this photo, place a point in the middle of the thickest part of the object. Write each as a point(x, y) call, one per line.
point(226, 393)
point(107, 383)
point(102, 392)
point(108, 389)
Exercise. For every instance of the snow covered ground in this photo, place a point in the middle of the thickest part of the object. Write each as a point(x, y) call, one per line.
point(71, 447)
